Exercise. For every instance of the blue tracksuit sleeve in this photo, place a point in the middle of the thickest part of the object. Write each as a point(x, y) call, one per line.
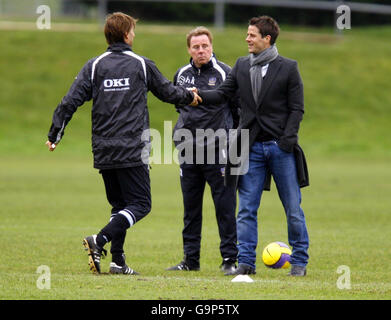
point(164, 89)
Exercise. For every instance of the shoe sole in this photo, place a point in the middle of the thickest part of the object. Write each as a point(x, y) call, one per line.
point(114, 271)
point(237, 274)
point(117, 272)
point(296, 275)
point(186, 270)
point(91, 262)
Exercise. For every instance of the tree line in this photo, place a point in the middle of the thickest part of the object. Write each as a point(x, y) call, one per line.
point(234, 14)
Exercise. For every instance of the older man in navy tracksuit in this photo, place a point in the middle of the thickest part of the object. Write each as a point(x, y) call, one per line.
point(197, 168)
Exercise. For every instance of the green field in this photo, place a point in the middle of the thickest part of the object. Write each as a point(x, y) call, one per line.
point(50, 201)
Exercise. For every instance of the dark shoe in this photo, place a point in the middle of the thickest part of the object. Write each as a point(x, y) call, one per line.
point(116, 269)
point(228, 266)
point(297, 271)
point(241, 269)
point(94, 253)
point(182, 266)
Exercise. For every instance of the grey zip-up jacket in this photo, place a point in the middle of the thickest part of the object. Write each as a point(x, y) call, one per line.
point(118, 82)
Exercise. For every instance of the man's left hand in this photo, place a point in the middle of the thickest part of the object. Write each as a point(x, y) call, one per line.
point(50, 145)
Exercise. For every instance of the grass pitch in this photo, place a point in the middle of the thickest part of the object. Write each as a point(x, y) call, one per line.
point(46, 211)
point(50, 201)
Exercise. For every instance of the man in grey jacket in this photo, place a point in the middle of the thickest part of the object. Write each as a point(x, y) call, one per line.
point(118, 81)
point(272, 107)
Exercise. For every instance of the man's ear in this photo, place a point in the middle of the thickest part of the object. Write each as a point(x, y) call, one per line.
point(268, 38)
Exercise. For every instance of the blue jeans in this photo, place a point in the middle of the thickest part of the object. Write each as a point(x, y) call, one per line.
point(282, 165)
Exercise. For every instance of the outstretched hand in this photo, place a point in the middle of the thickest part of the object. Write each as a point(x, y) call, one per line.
point(197, 99)
point(193, 89)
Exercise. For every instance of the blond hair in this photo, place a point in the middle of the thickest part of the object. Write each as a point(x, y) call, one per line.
point(198, 32)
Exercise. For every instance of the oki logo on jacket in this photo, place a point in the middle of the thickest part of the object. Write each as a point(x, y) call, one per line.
point(116, 84)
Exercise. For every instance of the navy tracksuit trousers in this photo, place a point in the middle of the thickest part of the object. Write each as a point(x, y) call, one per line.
point(193, 180)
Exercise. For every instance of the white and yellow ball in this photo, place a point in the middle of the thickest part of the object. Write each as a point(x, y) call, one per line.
point(277, 255)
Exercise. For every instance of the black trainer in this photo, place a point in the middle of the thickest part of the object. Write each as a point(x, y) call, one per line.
point(228, 265)
point(94, 253)
point(182, 266)
point(116, 269)
point(297, 271)
point(241, 269)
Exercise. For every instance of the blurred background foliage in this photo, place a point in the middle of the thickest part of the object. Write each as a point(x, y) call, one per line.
point(192, 12)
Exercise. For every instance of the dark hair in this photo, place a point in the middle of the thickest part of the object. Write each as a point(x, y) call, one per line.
point(117, 25)
point(267, 26)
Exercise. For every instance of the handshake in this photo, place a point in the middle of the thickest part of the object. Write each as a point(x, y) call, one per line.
point(197, 99)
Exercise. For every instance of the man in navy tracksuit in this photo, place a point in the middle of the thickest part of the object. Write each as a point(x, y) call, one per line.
point(118, 82)
point(204, 71)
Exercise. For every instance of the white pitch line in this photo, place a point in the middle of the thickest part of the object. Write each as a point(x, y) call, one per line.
point(228, 279)
point(294, 282)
